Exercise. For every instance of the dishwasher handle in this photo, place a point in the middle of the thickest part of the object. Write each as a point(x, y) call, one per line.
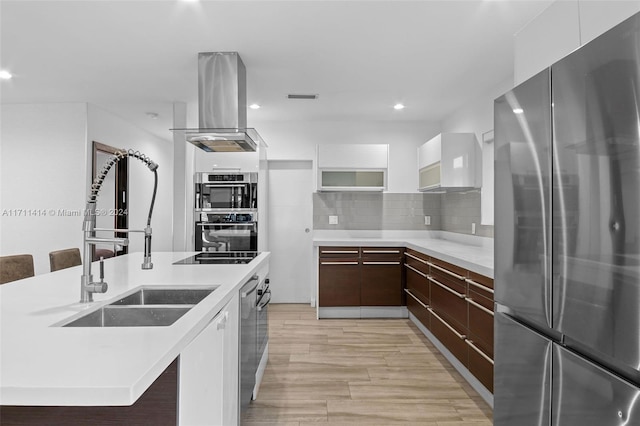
point(244, 294)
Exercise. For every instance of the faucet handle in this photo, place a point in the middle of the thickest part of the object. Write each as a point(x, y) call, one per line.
point(101, 268)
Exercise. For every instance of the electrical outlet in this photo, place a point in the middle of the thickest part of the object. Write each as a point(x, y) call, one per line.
point(473, 228)
point(333, 220)
point(427, 220)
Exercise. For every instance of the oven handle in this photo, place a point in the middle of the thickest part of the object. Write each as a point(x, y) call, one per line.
point(252, 224)
point(267, 295)
point(222, 185)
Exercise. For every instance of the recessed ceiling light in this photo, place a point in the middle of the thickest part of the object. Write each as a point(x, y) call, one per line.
point(254, 106)
point(152, 115)
point(5, 75)
point(518, 110)
point(398, 106)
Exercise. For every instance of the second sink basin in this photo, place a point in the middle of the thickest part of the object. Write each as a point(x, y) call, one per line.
point(165, 296)
point(148, 306)
point(126, 316)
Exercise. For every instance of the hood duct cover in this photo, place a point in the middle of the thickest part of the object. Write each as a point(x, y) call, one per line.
point(222, 105)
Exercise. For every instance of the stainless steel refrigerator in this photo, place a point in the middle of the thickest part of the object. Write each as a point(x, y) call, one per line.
point(567, 240)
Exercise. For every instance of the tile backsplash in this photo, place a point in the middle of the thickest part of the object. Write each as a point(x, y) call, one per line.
point(376, 211)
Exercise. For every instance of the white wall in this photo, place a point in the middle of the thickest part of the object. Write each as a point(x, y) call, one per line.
point(298, 140)
point(109, 129)
point(43, 155)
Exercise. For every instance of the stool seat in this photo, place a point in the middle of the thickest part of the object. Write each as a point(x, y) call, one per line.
point(15, 267)
point(62, 259)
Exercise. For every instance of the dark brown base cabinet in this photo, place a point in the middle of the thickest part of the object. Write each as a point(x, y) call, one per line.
point(456, 306)
point(360, 276)
point(157, 406)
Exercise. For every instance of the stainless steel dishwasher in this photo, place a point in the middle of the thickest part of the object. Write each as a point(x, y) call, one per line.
point(248, 341)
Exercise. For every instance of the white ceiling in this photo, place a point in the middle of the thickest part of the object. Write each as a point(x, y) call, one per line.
point(361, 57)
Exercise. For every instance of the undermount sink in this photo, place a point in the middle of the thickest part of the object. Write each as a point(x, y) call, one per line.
point(130, 316)
point(149, 306)
point(165, 296)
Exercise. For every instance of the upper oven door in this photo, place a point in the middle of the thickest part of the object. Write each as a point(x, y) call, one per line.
point(225, 191)
point(228, 196)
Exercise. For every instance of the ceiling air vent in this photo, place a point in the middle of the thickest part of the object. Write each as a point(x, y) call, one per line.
point(291, 96)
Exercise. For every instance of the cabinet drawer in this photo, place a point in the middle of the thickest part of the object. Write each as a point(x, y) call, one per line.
point(339, 283)
point(329, 252)
point(481, 279)
point(417, 282)
point(451, 337)
point(483, 288)
point(481, 325)
point(381, 283)
point(480, 365)
point(447, 301)
point(448, 270)
point(381, 253)
point(419, 309)
point(417, 260)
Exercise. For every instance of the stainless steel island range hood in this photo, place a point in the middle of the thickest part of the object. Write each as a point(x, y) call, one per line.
point(222, 105)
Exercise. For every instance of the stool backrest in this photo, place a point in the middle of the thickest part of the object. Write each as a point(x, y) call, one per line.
point(16, 267)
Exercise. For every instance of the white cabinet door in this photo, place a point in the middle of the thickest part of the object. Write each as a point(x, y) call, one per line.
point(353, 156)
point(208, 384)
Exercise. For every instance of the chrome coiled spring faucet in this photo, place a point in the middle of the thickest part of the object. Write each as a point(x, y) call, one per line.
point(88, 286)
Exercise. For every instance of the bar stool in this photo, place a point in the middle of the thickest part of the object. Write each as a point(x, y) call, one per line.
point(62, 259)
point(16, 267)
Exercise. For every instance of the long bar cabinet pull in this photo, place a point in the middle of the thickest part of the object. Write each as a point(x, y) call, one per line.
point(381, 263)
point(460, 295)
point(416, 258)
point(446, 271)
point(480, 286)
point(406, 290)
point(415, 270)
point(382, 251)
point(339, 251)
point(482, 354)
point(453, 330)
point(338, 263)
point(479, 306)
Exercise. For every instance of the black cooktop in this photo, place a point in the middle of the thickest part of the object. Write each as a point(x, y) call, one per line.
point(219, 258)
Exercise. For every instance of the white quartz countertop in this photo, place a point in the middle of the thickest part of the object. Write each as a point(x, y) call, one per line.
point(470, 252)
point(44, 364)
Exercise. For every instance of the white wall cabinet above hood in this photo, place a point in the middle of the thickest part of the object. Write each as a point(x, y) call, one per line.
point(450, 162)
point(352, 167)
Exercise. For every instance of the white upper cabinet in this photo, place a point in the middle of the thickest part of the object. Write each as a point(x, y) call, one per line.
point(352, 167)
point(450, 162)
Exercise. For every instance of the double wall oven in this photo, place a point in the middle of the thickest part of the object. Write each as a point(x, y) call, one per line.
point(226, 217)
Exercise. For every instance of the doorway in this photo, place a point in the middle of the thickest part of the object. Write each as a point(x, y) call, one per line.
point(112, 202)
point(290, 230)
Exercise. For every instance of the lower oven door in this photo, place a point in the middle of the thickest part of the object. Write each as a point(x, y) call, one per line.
point(226, 236)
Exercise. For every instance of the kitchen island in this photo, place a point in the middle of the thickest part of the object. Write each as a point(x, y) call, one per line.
point(44, 364)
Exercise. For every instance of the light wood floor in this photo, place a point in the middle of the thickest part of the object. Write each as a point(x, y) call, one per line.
point(358, 372)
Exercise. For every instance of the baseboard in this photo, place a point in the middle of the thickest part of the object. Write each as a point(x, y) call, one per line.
point(363, 312)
